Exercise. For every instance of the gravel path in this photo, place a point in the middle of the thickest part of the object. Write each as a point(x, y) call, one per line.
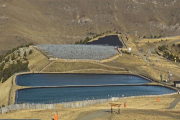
point(174, 103)
point(101, 113)
point(131, 114)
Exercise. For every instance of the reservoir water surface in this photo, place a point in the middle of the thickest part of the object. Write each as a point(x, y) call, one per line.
point(59, 95)
point(73, 93)
point(77, 79)
point(112, 40)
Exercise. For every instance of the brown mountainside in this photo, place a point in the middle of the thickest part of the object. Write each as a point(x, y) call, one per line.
point(66, 21)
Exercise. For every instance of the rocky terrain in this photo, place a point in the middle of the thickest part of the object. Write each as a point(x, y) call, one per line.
point(67, 21)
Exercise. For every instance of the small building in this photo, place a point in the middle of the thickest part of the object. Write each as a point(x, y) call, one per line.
point(177, 83)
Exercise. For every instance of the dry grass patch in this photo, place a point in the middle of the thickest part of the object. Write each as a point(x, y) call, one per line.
point(151, 71)
point(37, 61)
point(165, 65)
point(137, 65)
point(4, 91)
point(159, 39)
point(147, 102)
point(71, 66)
point(129, 59)
point(177, 106)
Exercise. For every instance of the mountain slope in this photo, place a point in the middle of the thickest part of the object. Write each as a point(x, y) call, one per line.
point(66, 21)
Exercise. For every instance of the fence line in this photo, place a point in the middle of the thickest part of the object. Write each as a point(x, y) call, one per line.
point(92, 102)
point(26, 106)
point(9, 99)
point(88, 102)
point(74, 104)
point(124, 42)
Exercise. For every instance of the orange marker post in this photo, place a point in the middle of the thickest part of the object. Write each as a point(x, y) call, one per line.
point(125, 105)
point(56, 116)
point(158, 99)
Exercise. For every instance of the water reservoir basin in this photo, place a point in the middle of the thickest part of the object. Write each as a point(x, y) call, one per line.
point(60, 95)
point(112, 40)
point(77, 79)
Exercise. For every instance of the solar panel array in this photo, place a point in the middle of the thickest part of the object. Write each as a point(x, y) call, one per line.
point(93, 52)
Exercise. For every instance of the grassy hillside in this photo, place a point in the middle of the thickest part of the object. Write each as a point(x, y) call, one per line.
point(79, 67)
point(4, 91)
point(37, 61)
point(67, 21)
point(14, 61)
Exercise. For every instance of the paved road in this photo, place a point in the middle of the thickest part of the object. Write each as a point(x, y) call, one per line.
point(174, 103)
point(98, 114)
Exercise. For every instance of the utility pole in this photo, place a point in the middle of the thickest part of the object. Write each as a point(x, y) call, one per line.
point(161, 76)
point(170, 76)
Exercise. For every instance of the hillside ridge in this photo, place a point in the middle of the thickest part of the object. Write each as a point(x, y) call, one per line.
point(67, 21)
